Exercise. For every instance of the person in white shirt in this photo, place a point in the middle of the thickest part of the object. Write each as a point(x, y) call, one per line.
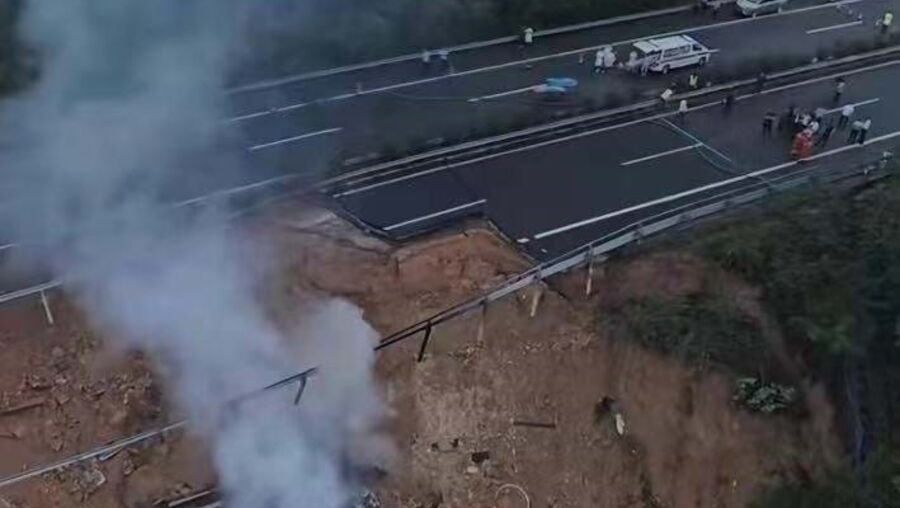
point(666, 95)
point(598, 61)
point(682, 110)
point(609, 58)
point(426, 59)
point(855, 130)
point(864, 131)
point(886, 21)
point(528, 35)
point(846, 113)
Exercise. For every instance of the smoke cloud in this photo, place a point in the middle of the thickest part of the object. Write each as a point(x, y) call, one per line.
point(124, 120)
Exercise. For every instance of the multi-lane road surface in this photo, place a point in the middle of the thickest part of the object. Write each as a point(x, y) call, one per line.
point(558, 194)
point(563, 193)
point(305, 124)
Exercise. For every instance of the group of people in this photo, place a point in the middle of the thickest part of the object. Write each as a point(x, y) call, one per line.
point(813, 128)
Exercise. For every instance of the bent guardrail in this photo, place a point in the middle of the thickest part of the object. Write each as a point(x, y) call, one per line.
point(675, 217)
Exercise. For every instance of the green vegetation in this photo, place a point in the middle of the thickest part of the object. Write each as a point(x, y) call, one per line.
point(328, 32)
point(757, 395)
point(829, 267)
point(698, 329)
point(14, 72)
point(878, 485)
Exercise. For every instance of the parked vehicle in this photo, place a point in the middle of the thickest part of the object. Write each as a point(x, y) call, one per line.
point(756, 7)
point(556, 87)
point(668, 53)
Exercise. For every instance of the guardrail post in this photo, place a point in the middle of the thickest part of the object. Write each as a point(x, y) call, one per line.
point(300, 390)
point(588, 283)
point(47, 312)
point(479, 335)
point(424, 345)
point(536, 297)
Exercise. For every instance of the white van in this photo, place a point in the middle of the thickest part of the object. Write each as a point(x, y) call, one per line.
point(665, 54)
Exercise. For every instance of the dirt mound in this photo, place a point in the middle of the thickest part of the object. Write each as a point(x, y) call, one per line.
point(487, 420)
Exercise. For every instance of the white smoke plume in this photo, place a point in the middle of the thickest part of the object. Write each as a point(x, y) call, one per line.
point(126, 118)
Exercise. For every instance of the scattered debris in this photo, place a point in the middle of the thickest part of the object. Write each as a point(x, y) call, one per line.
point(608, 405)
point(539, 425)
point(480, 457)
point(28, 404)
point(513, 486)
point(368, 500)
point(756, 395)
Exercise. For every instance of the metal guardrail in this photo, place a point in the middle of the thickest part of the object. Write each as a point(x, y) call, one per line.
point(675, 217)
point(411, 57)
point(672, 218)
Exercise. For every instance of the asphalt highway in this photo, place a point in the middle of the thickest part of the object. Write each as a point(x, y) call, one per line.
point(402, 105)
point(562, 195)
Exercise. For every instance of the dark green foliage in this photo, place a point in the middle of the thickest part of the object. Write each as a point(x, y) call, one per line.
point(829, 266)
point(699, 329)
point(324, 33)
point(11, 54)
point(806, 261)
point(877, 485)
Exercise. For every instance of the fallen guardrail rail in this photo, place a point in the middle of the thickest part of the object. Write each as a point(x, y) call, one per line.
point(597, 250)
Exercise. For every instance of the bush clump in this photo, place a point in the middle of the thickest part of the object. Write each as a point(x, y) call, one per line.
point(699, 329)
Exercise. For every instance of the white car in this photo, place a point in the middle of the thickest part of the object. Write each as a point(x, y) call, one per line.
point(668, 53)
point(756, 7)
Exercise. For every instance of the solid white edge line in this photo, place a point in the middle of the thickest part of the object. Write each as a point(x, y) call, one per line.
point(525, 61)
point(854, 104)
point(834, 27)
point(284, 80)
point(503, 94)
point(697, 190)
point(295, 138)
point(435, 214)
point(660, 116)
point(662, 154)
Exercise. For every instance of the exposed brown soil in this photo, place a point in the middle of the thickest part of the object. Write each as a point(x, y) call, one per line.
point(520, 396)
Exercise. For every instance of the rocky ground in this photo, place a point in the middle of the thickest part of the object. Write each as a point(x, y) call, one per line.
point(502, 409)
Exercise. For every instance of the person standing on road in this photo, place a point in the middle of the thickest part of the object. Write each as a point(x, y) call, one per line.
point(728, 102)
point(768, 123)
point(839, 86)
point(826, 135)
point(528, 36)
point(855, 129)
point(632, 60)
point(819, 113)
point(682, 110)
point(666, 95)
point(609, 58)
point(864, 131)
point(761, 79)
point(444, 56)
point(846, 113)
point(694, 81)
point(598, 61)
point(813, 126)
point(886, 21)
point(426, 60)
point(787, 119)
